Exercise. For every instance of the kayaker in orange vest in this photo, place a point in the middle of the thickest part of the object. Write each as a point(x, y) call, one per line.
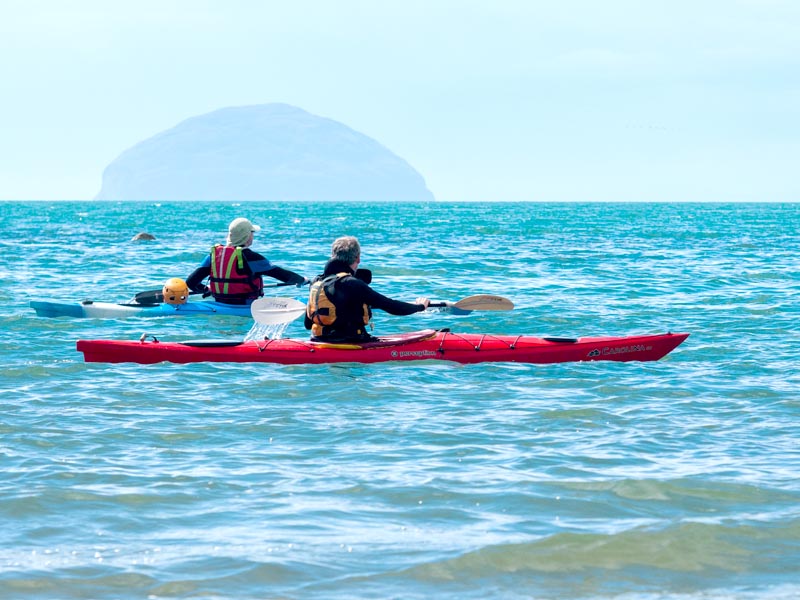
point(234, 271)
point(340, 302)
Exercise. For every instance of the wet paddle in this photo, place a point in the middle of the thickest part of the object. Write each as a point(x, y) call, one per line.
point(269, 311)
point(477, 302)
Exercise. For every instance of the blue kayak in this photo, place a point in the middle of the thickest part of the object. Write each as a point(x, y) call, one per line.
point(89, 309)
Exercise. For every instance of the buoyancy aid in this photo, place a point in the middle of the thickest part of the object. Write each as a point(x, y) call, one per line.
point(229, 278)
point(322, 311)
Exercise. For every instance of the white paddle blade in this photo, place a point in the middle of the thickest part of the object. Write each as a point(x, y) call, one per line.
point(484, 302)
point(270, 311)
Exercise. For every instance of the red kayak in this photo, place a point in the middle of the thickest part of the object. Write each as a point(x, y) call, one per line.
point(420, 345)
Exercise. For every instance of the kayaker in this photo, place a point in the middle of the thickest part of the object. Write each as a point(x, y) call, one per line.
point(340, 302)
point(234, 271)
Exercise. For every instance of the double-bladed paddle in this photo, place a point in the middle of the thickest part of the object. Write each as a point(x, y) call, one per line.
point(157, 296)
point(270, 311)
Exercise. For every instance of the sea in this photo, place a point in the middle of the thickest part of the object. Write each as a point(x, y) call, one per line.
point(592, 480)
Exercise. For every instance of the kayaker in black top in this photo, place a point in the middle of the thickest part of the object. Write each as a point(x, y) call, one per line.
point(340, 303)
point(235, 271)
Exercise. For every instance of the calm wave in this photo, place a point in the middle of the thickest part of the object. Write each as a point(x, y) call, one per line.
point(675, 479)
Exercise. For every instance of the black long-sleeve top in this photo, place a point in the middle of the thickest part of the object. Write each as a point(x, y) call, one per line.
point(352, 294)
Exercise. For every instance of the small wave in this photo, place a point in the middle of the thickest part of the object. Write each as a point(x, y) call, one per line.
point(671, 560)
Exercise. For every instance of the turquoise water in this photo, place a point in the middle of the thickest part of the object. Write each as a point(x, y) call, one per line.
point(673, 479)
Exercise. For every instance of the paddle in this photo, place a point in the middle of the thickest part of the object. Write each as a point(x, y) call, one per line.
point(156, 297)
point(477, 302)
point(270, 311)
point(152, 297)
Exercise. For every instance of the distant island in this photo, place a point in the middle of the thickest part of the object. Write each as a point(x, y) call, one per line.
point(262, 152)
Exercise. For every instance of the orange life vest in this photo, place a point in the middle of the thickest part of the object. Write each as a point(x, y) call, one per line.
point(321, 310)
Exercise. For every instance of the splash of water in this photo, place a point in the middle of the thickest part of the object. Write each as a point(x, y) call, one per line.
point(261, 331)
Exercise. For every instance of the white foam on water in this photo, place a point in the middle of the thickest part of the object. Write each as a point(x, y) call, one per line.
point(260, 331)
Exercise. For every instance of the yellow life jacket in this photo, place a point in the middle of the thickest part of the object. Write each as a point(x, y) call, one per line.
point(321, 309)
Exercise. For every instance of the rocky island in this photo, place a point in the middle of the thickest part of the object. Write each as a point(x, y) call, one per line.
point(262, 152)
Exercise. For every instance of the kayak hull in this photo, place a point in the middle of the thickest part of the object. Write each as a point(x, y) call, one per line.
point(441, 345)
point(89, 309)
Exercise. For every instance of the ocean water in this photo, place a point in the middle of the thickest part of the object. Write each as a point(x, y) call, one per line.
point(672, 479)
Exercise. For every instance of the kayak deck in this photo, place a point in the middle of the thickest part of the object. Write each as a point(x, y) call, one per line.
point(431, 344)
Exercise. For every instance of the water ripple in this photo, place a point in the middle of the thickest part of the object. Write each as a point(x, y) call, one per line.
point(674, 479)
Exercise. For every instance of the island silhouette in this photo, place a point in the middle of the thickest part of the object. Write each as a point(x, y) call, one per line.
point(262, 152)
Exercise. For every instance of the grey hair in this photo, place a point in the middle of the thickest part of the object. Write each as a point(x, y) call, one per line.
point(346, 249)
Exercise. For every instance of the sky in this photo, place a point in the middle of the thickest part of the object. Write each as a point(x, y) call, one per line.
point(509, 100)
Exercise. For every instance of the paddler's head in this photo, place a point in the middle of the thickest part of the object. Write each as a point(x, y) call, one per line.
point(240, 232)
point(348, 250)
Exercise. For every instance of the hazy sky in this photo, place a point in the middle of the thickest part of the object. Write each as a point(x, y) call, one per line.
point(488, 100)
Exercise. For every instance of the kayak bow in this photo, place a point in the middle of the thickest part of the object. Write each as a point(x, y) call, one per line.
point(429, 344)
